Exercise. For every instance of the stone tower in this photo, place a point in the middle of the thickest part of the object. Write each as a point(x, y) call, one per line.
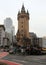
point(23, 23)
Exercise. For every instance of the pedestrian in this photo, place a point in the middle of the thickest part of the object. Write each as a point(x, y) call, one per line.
point(22, 51)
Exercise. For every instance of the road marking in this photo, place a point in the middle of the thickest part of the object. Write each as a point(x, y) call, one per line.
point(21, 61)
point(10, 62)
point(3, 54)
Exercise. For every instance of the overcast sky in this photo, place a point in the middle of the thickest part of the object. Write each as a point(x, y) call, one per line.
point(37, 11)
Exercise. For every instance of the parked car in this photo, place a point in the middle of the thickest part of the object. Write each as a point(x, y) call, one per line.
point(1, 50)
point(6, 50)
point(11, 51)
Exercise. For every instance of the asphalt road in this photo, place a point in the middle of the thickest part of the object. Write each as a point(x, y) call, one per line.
point(27, 60)
point(4, 54)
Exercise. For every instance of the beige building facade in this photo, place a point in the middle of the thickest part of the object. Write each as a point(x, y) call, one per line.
point(23, 24)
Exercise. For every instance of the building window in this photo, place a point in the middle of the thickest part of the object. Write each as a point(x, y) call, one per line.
point(22, 16)
point(21, 30)
point(21, 34)
point(22, 26)
point(22, 22)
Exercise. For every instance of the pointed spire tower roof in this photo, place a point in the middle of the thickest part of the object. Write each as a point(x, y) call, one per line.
point(23, 9)
point(27, 12)
point(18, 12)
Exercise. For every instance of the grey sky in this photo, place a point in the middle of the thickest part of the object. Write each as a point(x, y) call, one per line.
point(36, 8)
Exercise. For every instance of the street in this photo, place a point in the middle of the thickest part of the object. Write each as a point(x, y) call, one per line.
point(2, 55)
point(27, 60)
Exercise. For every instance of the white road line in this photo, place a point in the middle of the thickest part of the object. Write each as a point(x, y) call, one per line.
point(21, 61)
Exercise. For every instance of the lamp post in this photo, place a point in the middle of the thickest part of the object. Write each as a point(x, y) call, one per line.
point(12, 37)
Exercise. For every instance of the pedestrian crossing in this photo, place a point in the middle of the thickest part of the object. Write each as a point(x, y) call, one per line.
point(3, 54)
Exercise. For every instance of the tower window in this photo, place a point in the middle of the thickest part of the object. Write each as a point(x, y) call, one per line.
point(22, 22)
point(22, 16)
point(21, 34)
point(21, 30)
point(22, 26)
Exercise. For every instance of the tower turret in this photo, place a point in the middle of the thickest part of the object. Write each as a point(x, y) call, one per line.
point(23, 9)
point(18, 12)
point(23, 13)
point(27, 12)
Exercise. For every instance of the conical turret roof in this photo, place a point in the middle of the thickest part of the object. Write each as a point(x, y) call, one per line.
point(23, 8)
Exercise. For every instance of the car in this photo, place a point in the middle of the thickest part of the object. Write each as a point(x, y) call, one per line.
point(11, 52)
point(1, 50)
point(6, 50)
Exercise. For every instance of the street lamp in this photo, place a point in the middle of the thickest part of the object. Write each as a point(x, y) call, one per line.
point(12, 37)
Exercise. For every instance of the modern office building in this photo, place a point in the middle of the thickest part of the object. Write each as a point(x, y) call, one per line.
point(10, 31)
point(2, 34)
point(39, 42)
point(33, 38)
point(6, 42)
point(44, 42)
point(8, 24)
